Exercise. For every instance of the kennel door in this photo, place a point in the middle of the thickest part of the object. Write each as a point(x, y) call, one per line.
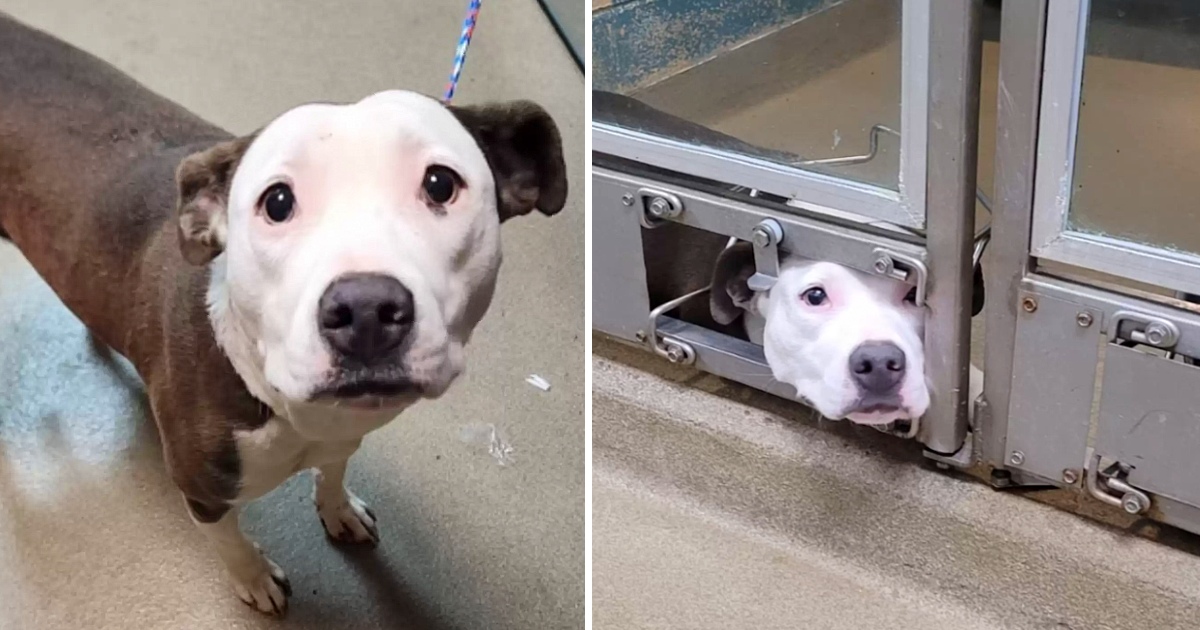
point(1107, 333)
point(802, 127)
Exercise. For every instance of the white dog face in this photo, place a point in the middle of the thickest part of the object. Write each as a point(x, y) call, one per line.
point(849, 342)
point(359, 244)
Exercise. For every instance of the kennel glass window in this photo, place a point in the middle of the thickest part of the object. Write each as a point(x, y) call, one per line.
point(816, 101)
point(1116, 173)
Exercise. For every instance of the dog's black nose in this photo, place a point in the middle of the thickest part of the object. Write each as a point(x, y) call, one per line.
point(877, 367)
point(364, 316)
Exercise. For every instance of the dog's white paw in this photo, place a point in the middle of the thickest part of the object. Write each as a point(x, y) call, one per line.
point(349, 520)
point(263, 586)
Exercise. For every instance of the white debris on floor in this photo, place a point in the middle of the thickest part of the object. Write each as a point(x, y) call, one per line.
point(538, 382)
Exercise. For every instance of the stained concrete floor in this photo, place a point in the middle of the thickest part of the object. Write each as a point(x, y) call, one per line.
point(716, 506)
point(92, 533)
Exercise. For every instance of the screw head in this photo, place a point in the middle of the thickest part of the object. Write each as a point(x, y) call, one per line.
point(759, 236)
point(1132, 504)
point(675, 354)
point(1029, 305)
point(1155, 333)
point(627, 199)
point(640, 336)
point(1070, 475)
point(1017, 458)
point(883, 265)
point(1084, 319)
point(659, 207)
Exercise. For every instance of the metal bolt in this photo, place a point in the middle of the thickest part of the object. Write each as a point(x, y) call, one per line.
point(883, 265)
point(1029, 305)
point(1017, 458)
point(659, 207)
point(1156, 333)
point(627, 199)
point(1070, 475)
point(675, 354)
point(640, 336)
point(1132, 504)
point(760, 236)
point(1084, 319)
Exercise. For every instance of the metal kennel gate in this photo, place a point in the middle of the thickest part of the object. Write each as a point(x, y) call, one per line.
point(1089, 382)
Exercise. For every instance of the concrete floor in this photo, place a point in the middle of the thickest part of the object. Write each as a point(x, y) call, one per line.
point(716, 506)
point(92, 533)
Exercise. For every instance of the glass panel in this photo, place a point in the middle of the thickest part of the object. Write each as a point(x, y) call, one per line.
point(791, 81)
point(1138, 136)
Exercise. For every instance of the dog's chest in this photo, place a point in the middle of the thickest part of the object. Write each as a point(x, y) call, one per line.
point(274, 452)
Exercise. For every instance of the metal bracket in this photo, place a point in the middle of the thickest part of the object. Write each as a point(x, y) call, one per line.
point(657, 207)
point(963, 458)
point(904, 268)
point(1149, 330)
point(765, 237)
point(673, 350)
point(1104, 485)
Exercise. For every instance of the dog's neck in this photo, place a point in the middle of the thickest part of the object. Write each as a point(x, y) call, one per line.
point(234, 340)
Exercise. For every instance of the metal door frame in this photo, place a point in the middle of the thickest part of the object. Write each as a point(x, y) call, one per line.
point(944, 38)
point(1044, 434)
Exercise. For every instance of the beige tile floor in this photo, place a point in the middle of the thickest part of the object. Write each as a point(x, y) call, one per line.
point(92, 534)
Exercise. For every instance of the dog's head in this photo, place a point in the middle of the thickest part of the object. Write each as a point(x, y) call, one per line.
point(355, 247)
point(849, 342)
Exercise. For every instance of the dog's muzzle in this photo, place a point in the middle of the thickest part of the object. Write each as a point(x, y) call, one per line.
point(878, 369)
point(366, 319)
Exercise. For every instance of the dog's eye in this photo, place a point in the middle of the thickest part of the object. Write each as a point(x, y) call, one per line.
point(278, 202)
point(911, 296)
point(441, 184)
point(814, 297)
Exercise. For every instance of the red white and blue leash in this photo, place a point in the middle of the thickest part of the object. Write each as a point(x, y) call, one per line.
point(460, 54)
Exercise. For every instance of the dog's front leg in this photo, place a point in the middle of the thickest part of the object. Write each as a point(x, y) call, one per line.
point(346, 517)
point(257, 580)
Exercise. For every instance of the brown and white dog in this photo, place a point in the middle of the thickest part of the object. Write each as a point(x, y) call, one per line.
point(280, 294)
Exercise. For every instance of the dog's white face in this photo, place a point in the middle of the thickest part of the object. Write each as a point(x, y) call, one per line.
point(361, 248)
point(849, 342)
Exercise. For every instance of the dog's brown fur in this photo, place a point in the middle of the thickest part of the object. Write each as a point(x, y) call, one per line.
point(87, 193)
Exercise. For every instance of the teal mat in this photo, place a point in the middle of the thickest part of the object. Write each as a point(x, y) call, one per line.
point(570, 19)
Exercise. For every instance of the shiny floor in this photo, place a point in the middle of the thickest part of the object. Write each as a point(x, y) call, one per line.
point(92, 533)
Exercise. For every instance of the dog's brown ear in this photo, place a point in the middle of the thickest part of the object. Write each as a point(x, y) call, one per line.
point(523, 148)
point(203, 180)
point(730, 294)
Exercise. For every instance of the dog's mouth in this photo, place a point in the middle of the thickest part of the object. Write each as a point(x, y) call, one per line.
point(877, 411)
point(369, 389)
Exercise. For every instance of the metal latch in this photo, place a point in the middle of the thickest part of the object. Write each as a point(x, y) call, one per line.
point(1144, 329)
point(765, 237)
point(673, 350)
point(1111, 487)
point(904, 268)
